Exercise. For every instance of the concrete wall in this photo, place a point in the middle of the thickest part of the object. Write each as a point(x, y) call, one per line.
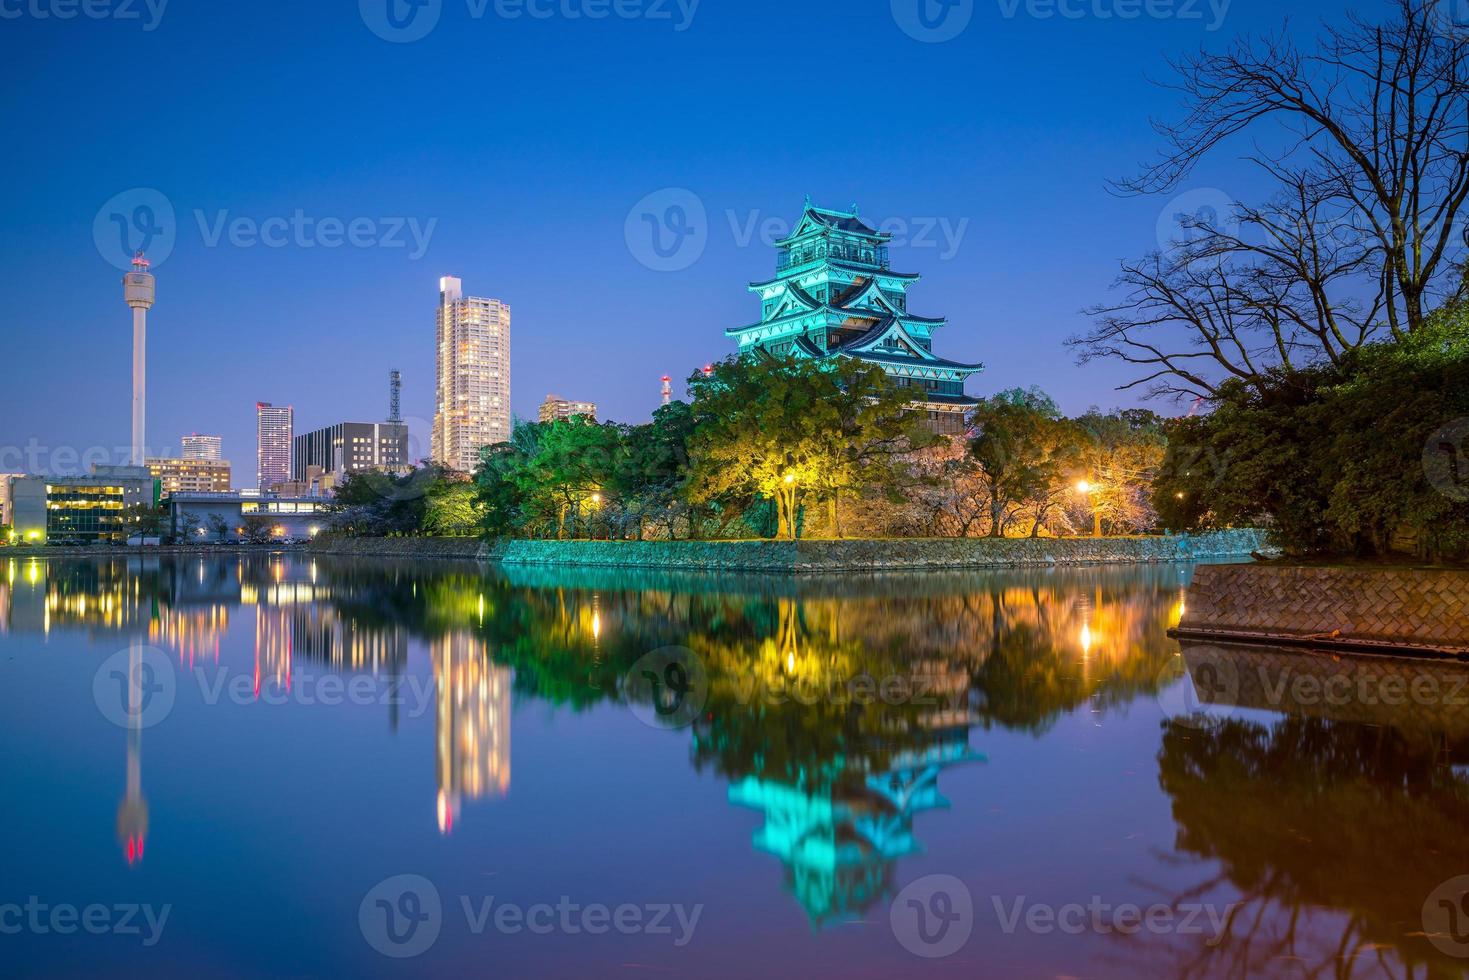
point(1401, 608)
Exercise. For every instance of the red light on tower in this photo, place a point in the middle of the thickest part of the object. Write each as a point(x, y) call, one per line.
point(667, 389)
point(708, 370)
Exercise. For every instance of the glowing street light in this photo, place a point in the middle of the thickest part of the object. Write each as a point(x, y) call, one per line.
point(1085, 488)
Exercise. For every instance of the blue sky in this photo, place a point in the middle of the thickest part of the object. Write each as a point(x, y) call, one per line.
point(511, 150)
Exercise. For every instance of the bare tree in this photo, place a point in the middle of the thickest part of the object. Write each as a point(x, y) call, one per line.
point(1370, 153)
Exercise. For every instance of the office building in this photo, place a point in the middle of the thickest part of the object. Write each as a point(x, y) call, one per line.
point(472, 394)
point(190, 475)
point(202, 447)
point(274, 426)
point(350, 447)
point(558, 409)
point(87, 509)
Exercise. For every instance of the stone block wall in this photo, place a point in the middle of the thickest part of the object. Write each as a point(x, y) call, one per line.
point(1369, 606)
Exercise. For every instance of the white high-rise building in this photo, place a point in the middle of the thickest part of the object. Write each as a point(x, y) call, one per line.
point(472, 398)
point(202, 447)
point(274, 427)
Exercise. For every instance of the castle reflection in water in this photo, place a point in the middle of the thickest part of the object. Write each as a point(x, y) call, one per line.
point(838, 781)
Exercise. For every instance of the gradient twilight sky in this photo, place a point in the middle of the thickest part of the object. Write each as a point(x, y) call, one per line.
point(524, 146)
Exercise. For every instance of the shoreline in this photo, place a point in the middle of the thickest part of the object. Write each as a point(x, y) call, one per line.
point(813, 556)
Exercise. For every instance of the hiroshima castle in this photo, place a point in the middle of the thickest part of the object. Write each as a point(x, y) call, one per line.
point(834, 295)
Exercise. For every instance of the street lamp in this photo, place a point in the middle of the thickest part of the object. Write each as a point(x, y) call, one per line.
point(1085, 488)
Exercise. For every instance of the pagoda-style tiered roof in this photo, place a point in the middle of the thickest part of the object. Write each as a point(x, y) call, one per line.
point(834, 295)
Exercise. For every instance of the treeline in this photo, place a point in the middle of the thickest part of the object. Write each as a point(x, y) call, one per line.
point(797, 448)
point(1365, 456)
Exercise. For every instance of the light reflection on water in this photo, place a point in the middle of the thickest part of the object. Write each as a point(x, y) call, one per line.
point(332, 723)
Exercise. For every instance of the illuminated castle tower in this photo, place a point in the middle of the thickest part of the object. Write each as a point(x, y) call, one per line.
point(834, 295)
point(138, 288)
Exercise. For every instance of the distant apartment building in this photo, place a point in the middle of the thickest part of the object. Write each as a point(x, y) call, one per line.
point(202, 447)
point(86, 509)
point(274, 426)
point(350, 447)
point(472, 393)
point(192, 475)
point(558, 409)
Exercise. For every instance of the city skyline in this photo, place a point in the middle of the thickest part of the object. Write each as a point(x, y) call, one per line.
point(1001, 205)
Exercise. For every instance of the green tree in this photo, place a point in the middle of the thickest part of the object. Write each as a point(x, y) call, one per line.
point(452, 509)
point(1028, 452)
point(1362, 458)
point(572, 468)
point(781, 429)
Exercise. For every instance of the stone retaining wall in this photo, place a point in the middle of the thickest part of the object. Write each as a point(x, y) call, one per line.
point(877, 555)
point(1398, 608)
point(457, 549)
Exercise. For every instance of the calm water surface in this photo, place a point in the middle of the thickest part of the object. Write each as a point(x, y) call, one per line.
point(591, 774)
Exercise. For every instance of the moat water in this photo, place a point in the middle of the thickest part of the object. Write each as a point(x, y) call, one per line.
point(290, 766)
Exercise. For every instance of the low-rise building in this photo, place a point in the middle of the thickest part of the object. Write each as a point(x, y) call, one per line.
point(190, 475)
point(88, 509)
point(229, 517)
point(558, 409)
